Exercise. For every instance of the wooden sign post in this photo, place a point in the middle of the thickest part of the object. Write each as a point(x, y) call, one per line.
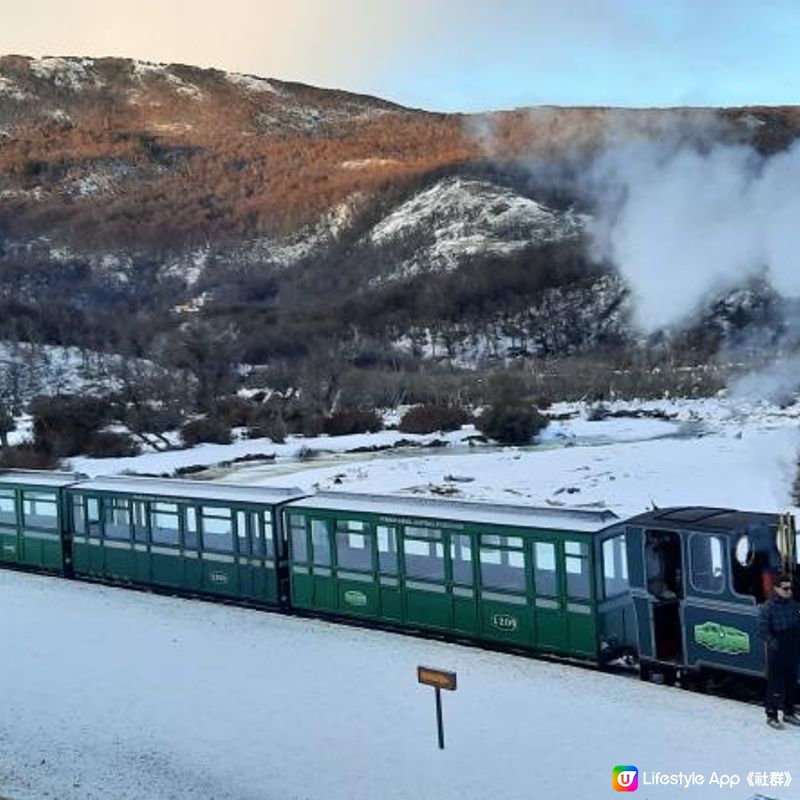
point(439, 679)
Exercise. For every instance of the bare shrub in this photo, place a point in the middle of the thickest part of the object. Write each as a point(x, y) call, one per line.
point(238, 412)
point(206, 429)
point(110, 444)
point(353, 420)
point(431, 418)
point(268, 428)
point(63, 424)
point(305, 423)
point(26, 456)
point(511, 424)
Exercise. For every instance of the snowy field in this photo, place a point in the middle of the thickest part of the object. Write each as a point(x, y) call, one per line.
point(116, 695)
point(709, 452)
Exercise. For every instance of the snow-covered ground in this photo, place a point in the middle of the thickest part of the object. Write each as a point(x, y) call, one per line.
point(117, 694)
point(110, 693)
point(707, 452)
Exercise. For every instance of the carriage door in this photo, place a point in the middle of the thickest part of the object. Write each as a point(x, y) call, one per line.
point(662, 561)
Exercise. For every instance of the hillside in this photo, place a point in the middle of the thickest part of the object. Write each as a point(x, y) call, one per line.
point(296, 230)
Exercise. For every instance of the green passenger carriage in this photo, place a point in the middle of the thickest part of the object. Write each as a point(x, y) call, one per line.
point(188, 536)
point(519, 576)
point(31, 518)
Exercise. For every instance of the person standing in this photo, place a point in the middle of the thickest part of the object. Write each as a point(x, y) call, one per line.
point(779, 626)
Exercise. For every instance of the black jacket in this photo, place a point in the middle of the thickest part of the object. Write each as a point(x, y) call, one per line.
point(779, 622)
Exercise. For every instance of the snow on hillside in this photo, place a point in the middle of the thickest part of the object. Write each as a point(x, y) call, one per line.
point(251, 83)
point(563, 320)
point(29, 369)
point(470, 217)
point(74, 74)
point(124, 695)
point(713, 452)
point(10, 89)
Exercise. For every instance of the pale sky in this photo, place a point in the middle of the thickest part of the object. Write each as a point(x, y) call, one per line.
point(449, 55)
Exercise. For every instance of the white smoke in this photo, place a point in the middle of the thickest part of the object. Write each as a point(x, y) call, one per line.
point(683, 223)
point(777, 382)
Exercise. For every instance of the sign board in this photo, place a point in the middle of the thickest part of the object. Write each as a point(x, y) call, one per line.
point(438, 678)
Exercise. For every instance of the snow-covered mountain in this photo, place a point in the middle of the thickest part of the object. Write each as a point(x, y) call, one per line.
point(458, 218)
point(138, 196)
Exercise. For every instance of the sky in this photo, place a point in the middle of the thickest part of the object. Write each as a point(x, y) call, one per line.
point(449, 55)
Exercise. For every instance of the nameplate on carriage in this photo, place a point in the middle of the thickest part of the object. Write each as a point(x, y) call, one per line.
point(438, 678)
point(355, 598)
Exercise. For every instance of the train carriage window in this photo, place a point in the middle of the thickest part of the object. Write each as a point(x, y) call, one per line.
point(8, 507)
point(750, 563)
point(321, 542)
point(353, 545)
point(78, 514)
point(707, 571)
point(164, 523)
point(242, 537)
point(217, 529)
point(140, 521)
point(297, 533)
point(39, 510)
point(576, 568)
point(269, 535)
point(117, 523)
point(191, 536)
point(257, 534)
point(93, 516)
point(615, 566)
point(544, 569)
point(461, 558)
point(387, 549)
point(502, 568)
point(424, 557)
point(743, 551)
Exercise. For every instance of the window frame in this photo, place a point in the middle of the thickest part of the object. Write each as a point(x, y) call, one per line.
point(243, 533)
point(460, 536)
point(556, 570)
point(153, 512)
point(365, 531)
point(190, 523)
point(433, 537)
point(312, 533)
point(11, 494)
point(109, 504)
point(207, 512)
point(623, 565)
point(584, 556)
point(724, 588)
point(43, 497)
point(297, 523)
point(499, 543)
point(266, 533)
point(392, 555)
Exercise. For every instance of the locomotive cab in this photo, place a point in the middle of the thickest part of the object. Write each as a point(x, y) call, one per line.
point(698, 576)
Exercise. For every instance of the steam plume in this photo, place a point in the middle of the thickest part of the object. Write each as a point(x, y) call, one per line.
point(683, 224)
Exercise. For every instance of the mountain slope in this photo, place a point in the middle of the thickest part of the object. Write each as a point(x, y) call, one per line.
point(141, 197)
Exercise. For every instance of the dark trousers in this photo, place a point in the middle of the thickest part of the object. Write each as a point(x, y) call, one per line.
point(782, 667)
